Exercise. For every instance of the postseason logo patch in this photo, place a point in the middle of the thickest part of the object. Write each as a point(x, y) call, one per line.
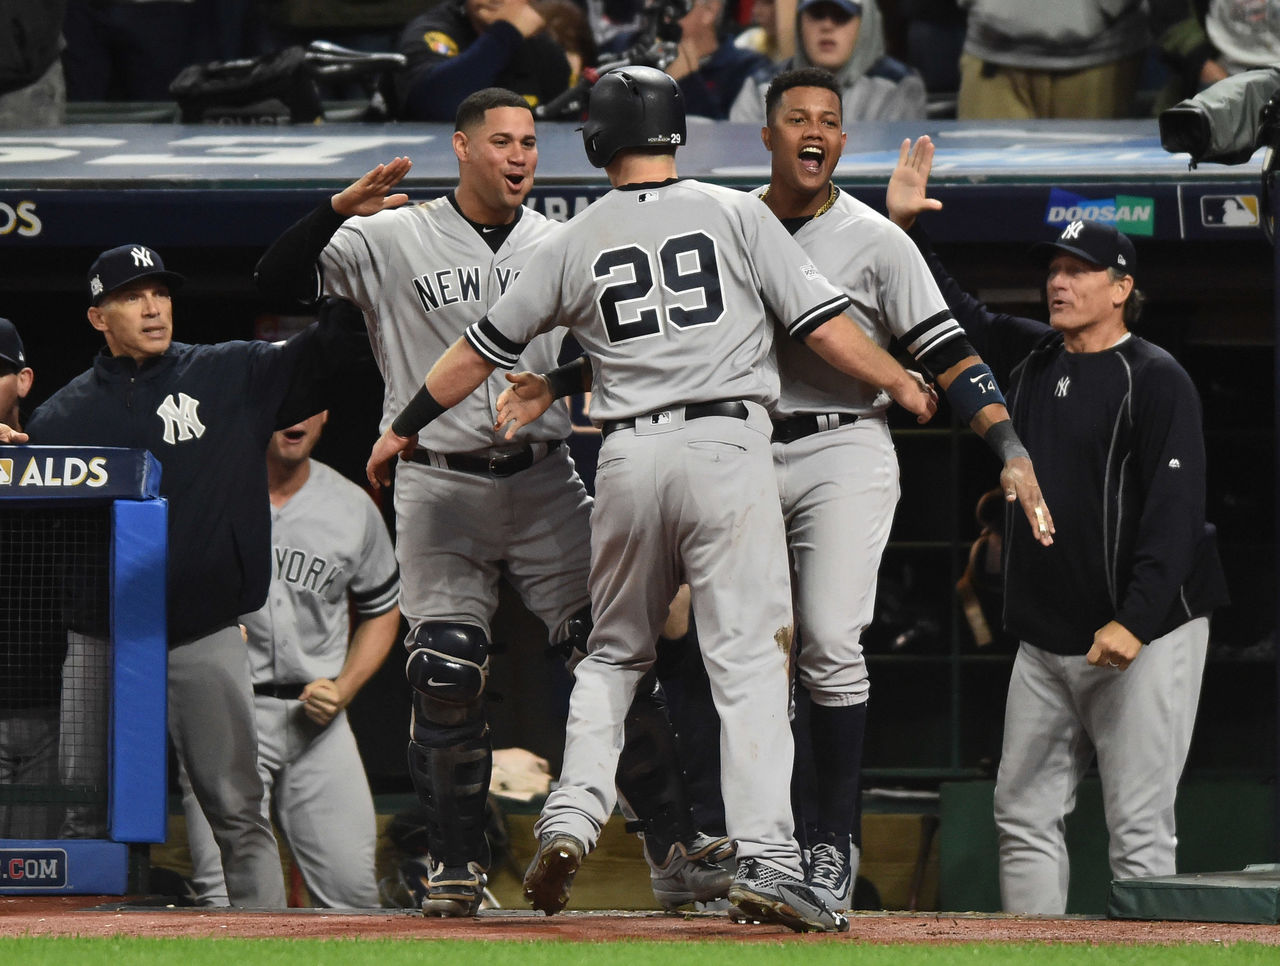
point(1127, 213)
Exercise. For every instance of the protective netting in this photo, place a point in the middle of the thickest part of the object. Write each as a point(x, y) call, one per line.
point(54, 671)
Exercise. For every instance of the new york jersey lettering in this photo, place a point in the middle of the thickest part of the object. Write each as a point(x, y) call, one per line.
point(448, 286)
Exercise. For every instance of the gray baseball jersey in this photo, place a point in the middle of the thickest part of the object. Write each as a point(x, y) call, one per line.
point(678, 276)
point(892, 294)
point(329, 546)
point(665, 287)
point(421, 274)
point(837, 533)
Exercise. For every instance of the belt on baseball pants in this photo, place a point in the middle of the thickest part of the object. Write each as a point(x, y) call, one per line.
point(498, 464)
point(798, 427)
point(722, 407)
point(286, 692)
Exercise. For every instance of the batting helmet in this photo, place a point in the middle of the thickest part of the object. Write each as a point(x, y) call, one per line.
point(632, 107)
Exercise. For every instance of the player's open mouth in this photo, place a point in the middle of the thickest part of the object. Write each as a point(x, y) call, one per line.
point(811, 157)
point(294, 435)
point(515, 181)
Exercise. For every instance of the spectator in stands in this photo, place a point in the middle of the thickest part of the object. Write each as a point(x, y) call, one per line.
point(613, 21)
point(129, 50)
point(1205, 41)
point(711, 70)
point(206, 413)
point(30, 676)
point(569, 27)
point(772, 30)
point(934, 42)
point(1065, 59)
point(458, 48)
point(32, 90)
point(332, 556)
point(846, 38)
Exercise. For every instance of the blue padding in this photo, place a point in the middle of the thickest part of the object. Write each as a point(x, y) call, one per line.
point(139, 780)
point(63, 866)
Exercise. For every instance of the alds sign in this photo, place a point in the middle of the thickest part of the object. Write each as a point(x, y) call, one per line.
point(70, 471)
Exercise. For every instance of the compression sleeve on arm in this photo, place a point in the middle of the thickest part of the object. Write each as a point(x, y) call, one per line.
point(288, 270)
point(569, 379)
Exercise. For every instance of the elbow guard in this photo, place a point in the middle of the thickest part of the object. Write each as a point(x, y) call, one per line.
point(972, 390)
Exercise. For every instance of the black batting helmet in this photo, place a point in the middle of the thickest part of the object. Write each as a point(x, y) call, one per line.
point(632, 107)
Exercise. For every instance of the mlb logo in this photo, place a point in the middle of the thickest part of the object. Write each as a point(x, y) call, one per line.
point(646, 196)
point(660, 419)
point(6, 472)
point(1229, 211)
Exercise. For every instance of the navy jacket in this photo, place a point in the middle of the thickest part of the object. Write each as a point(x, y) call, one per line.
point(206, 412)
point(1118, 445)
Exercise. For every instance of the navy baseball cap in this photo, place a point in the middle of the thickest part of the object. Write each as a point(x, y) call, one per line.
point(120, 266)
point(1095, 243)
point(11, 351)
point(851, 7)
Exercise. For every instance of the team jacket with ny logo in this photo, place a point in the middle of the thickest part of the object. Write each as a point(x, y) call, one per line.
point(206, 412)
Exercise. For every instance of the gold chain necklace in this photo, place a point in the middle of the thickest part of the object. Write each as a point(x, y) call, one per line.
point(831, 199)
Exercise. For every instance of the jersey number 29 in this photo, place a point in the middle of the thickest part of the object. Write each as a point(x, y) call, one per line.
point(686, 263)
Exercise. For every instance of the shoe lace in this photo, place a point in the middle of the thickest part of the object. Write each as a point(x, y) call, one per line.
point(827, 866)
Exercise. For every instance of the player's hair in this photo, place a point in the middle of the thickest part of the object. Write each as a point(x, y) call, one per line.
point(472, 110)
point(803, 77)
point(1136, 300)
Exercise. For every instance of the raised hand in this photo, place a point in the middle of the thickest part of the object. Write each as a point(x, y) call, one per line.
point(905, 198)
point(368, 195)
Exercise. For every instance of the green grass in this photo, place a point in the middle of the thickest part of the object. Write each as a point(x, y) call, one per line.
point(426, 952)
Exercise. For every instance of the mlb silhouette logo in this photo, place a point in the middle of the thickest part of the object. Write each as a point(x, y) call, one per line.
point(6, 472)
point(1229, 211)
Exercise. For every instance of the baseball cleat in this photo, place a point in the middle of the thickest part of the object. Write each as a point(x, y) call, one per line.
point(832, 869)
point(550, 875)
point(689, 876)
point(454, 891)
point(764, 893)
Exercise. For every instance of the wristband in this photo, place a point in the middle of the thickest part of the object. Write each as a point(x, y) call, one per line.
point(421, 410)
point(1004, 441)
point(972, 390)
point(566, 380)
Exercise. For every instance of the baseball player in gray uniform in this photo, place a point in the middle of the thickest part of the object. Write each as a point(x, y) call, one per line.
point(836, 467)
point(665, 283)
point(471, 506)
point(330, 550)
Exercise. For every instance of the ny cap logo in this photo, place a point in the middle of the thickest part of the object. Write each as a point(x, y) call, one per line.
point(142, 257)
point(1072, 231)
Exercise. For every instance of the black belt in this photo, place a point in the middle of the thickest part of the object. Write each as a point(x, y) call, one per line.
point(723, 407)
point(499, 464)
point(285, 692)
point(798, 427)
